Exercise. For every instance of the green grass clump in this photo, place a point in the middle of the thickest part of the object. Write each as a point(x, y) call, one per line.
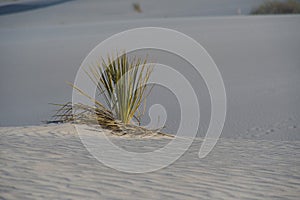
point(122, 83)
point(277, 7)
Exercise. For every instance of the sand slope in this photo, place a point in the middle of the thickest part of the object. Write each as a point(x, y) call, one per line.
point(51, 163)
point(257, 56)
point(258, 156)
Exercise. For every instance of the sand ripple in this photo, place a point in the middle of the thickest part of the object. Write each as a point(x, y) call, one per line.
point(51, 163)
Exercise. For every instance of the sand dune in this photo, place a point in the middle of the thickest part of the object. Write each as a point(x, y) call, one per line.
point(258, 155)
point(94, 11)
point(50, 162)
point(257, 56)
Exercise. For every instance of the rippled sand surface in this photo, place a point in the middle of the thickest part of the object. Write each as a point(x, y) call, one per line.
point(51, 163)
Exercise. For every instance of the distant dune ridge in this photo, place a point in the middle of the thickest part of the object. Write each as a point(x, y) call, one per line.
point(15, 6)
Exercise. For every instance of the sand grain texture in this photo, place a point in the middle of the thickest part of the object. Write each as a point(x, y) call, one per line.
point(50, 162)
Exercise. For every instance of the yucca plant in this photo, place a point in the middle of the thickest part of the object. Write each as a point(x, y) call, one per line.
point(122, 83)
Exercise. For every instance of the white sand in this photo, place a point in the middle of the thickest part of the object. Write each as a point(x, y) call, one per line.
point(257, 56)
point(51, 163)
point(257, 157)
point(94, 11)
